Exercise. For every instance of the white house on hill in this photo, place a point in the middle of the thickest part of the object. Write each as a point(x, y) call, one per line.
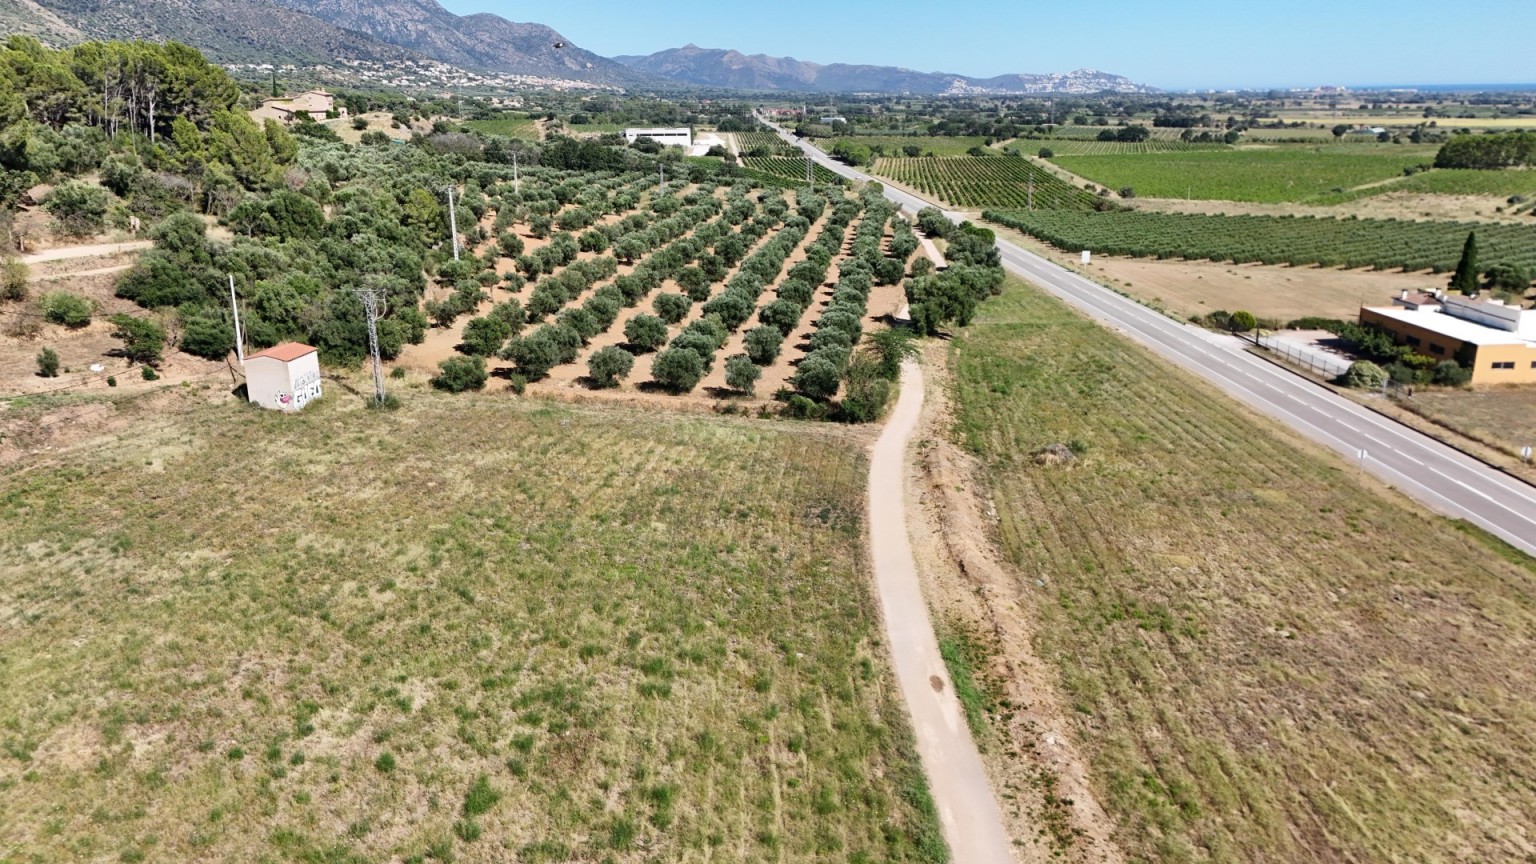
point(284, 377)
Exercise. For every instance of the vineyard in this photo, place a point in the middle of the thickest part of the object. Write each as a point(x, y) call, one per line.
point(896, 145)
point(789, 168)
point(1078, 147)
point(1382, 244)
point(1278, 175)
point(507, 125)
point(985, 181)
point(767, 142)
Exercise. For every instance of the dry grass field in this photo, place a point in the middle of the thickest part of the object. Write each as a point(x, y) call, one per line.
point(1502, 417)
point(1268, 660)
point(472, 629)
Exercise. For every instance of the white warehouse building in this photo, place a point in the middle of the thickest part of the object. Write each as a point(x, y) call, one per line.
point(284, 377)
point(681, 136)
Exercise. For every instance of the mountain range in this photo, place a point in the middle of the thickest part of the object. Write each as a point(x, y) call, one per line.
point(717, 67)
point(313, 32)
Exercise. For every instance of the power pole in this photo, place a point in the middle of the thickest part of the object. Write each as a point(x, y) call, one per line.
point(663, 167)
point(371, 299)
point(1031, 190)
point(235, 306)
point(809, 180)
point(453, 222)
point(516, 186)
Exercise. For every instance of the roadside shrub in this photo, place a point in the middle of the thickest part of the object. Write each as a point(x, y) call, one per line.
point(457, 374)
point(672, 308)
point(608, 365)
point(1364, 375)
point(678, 369)
point(1449, 373)
point(741, 373)
point(1242, 322)
point(62, 307)
point(645, 333)
point(47, 363)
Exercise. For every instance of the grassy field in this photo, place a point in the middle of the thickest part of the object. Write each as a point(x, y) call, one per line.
point(472, 629)
point(1277, 175)
point(1266, 661)
point(1504, 418)
point(1504, 184)
point(507, 125)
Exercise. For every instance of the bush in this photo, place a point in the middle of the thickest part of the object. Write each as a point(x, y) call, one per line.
point(1242, 322)
point(13, 279)
point(762, 344)
point(143, 339)
point(62, 307)
point(47, 363)
point(1449, 373)
point(77, 209)
point(1047, 153)
point(678, 369)
point(608, 365)
point(816, 378)
point(458, 374)
point(1365, 375)
point(484, 337)
point(741, 373)
point(148, 373)
point(672, 308)
point(534, 355)
point(645, 332)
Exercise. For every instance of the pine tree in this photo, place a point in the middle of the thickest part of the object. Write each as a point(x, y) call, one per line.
point(1465, 279)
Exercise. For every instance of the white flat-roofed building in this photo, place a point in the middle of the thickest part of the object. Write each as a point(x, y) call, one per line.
point(284, 377)
point(681, 136)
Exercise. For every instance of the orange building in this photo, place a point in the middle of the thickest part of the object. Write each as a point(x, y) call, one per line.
point(1497, 342)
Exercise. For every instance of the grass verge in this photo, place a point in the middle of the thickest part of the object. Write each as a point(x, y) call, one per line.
point(1266, 661)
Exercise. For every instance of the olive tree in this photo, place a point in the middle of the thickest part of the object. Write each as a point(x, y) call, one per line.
point(607, 365)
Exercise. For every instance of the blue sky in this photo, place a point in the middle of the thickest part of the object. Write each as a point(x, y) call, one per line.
point(1174, 44)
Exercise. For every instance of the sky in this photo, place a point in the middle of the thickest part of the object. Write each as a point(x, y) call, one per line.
point(1174, 44)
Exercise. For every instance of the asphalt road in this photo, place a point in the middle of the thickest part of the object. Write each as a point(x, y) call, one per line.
point(1438, 476)
point(972, 822)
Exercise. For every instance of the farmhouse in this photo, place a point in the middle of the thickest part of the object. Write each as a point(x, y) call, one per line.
point(318, 104)
point(284, 377)
point(1497, 342)
point(681, 136)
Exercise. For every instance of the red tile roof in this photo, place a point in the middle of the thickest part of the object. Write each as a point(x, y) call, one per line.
point(286, 352)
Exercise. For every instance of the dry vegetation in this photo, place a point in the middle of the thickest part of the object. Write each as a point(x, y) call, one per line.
point(1504, 417)
point(480, 630)
point(1266, 660)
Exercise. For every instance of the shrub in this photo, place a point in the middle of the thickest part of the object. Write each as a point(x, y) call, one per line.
point(1365, 375)
point(457, 374)
point(78, 209)
point(608, 365)
point(1047, 153)
point(148, 373)
point(143, 339)
point(47, 363)
point(1449, 373)
point(484, 337)
point(13, 279)
point(741, 373)
point(816, 378)
point(62, 307)
point(385, 764)
point(645, 332)
point(1242, 322)
point(672, 308)
point(678, 369)
point(762, 344)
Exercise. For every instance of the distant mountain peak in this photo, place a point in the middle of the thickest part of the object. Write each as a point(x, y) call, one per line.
point(728, 68)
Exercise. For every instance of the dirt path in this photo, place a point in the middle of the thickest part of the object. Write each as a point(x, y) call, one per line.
point(93, 251)
point(971, 819)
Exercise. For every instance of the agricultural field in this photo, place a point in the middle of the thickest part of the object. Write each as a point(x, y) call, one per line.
point(986, 181)
point(790, 168)
point(1502, 183)
point(1079, 147)
point(508, 126)
point(1267, 659)
point(1383, 244)
point(767, 141)
point(1275, 175)
point(893, 145)
point(487, 630)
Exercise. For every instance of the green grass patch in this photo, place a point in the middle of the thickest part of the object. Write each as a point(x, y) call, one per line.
point(1269, 175)
point(508, 126)
point(962, 659)
point(411, 598)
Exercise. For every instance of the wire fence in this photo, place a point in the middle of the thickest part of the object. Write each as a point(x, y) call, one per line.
point(1318, 362)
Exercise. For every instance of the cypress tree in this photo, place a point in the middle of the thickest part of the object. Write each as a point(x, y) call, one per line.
point(1465, 279)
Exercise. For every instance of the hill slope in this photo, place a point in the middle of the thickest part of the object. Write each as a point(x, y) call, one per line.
point(715, 67)
point(482, 41)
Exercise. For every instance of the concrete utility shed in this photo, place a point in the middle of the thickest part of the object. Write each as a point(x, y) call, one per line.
point(284, 377)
